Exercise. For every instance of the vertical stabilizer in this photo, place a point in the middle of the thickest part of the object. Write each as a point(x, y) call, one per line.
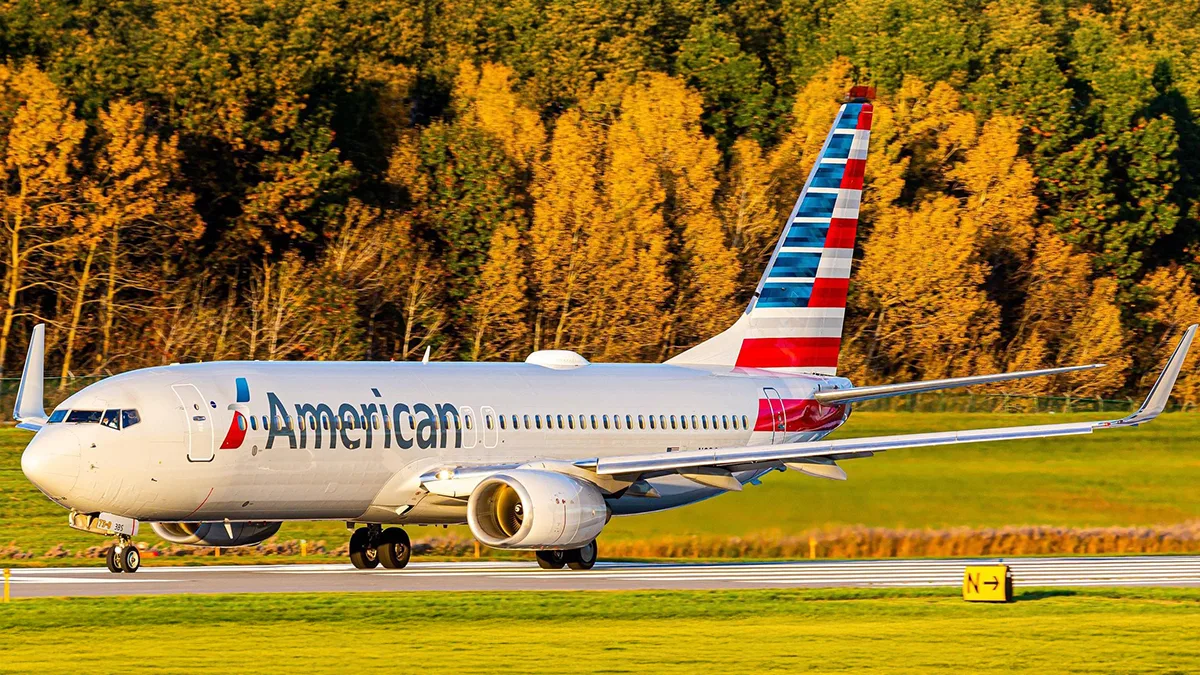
point(794, 321)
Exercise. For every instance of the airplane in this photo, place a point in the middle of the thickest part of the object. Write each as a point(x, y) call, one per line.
point(535, 456)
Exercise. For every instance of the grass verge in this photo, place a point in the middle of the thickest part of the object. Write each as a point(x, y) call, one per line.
point(1110, 630)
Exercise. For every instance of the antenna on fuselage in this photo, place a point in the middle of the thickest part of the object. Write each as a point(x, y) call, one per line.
point(425, 359)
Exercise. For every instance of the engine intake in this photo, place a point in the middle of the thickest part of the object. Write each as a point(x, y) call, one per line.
point(214, 534)
point(535, 510)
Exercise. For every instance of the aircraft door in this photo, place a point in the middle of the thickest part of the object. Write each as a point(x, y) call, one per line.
point(199, 422)
point(778, 414)
point(491, 430)
point(470, 427)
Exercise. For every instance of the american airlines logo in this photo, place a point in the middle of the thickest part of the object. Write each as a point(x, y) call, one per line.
point(349, 425)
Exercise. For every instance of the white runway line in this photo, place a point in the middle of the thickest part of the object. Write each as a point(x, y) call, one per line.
point(876, 573)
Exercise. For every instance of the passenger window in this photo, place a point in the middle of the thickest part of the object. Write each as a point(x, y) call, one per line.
point(502, 422)
point(84, 416)
point(375, 421)
point(302, 422)
point(652, 426)
point(56, 416)
point(537, 420)
point(694, 425)
point(594, 426)
point(570, 421)
point(628, 422)
point(467, 420)
point(514, 421)
point(745, 424)
point(605, 421)
point(735, 423)
point(616, 421)
point(264, 420)
point(725, 422)
point(241, 422)
point(683, 422)
point(560, 422)
point(111, 419)
point(254, 424)
point(704, 421)
point(672, 421)
point(662, 422)
point(487, 421)
point(527, 421)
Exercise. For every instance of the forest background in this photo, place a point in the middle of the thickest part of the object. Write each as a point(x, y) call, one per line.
point(310, 179)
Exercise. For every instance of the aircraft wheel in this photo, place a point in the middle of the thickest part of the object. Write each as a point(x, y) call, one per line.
point(551, 560)
point(131, 559)
point(362, 555)
point(112, 559)
point(582, 558)
point(394, 548)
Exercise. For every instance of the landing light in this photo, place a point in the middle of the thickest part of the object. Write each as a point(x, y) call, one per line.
point(444, 474)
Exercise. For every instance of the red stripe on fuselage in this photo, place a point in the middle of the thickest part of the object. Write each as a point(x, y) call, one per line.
point(789, 352)
point(800, 414)
point(236, 433)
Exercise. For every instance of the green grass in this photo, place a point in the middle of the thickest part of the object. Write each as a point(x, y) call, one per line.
point(1132, 477)
point(1128, 631)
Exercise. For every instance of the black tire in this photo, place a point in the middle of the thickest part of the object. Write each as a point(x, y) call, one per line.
point(583, 558)
point(362, 556)
point(131, 559)
point(551, 560)
point(112, 561)
point(394, 548)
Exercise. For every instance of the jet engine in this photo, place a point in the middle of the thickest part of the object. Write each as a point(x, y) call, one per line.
point(534, 510)
point(215, 534)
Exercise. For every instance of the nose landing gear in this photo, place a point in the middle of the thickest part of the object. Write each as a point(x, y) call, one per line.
point(123, 556)
point(372, 545)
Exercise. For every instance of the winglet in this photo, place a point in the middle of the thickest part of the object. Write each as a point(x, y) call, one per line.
point(31, 403)
point(1156, 400)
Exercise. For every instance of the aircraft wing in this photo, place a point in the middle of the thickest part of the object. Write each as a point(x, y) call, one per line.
point(856, 394)
point(723, 460)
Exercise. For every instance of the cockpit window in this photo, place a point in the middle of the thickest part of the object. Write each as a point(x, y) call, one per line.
point(129, 418)
point(111, 419)
point(84, 416)
point(56, 416)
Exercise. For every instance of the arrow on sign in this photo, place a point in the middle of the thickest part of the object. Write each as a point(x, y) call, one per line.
point(994, 583)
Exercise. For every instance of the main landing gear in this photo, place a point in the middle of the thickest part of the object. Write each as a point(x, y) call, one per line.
point(372, 545)
point(123, 556)
point(575, 558)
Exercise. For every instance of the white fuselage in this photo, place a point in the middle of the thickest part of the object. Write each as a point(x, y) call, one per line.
point(350, 441)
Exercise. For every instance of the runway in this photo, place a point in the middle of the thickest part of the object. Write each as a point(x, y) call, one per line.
point(526, 576)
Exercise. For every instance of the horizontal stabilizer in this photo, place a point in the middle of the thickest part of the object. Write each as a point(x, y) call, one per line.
point(856, 394)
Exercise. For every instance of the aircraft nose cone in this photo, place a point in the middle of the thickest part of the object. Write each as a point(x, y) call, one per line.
point(51, 462)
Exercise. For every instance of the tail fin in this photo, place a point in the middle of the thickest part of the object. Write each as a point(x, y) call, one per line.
point(794, 320)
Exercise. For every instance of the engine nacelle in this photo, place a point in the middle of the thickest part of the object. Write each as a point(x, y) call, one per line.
point(214, 534)
point(535, 510)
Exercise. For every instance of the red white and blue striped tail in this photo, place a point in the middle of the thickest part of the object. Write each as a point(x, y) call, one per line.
point(794, 320)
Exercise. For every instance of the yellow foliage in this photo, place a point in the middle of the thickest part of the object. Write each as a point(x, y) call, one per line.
point(662, 117)
point(566, 214)
point(498, 328)
point(1057, 287)
point(748, 208)
point(921, 270)
point(486, 95)
point(1095, 336)
point(1176, 306)
point(1000, 184)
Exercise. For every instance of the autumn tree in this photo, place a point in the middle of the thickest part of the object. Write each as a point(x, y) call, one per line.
point(40, 198)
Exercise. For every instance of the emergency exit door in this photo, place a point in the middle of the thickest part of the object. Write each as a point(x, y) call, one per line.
point(778, 414)
point(199, 422)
